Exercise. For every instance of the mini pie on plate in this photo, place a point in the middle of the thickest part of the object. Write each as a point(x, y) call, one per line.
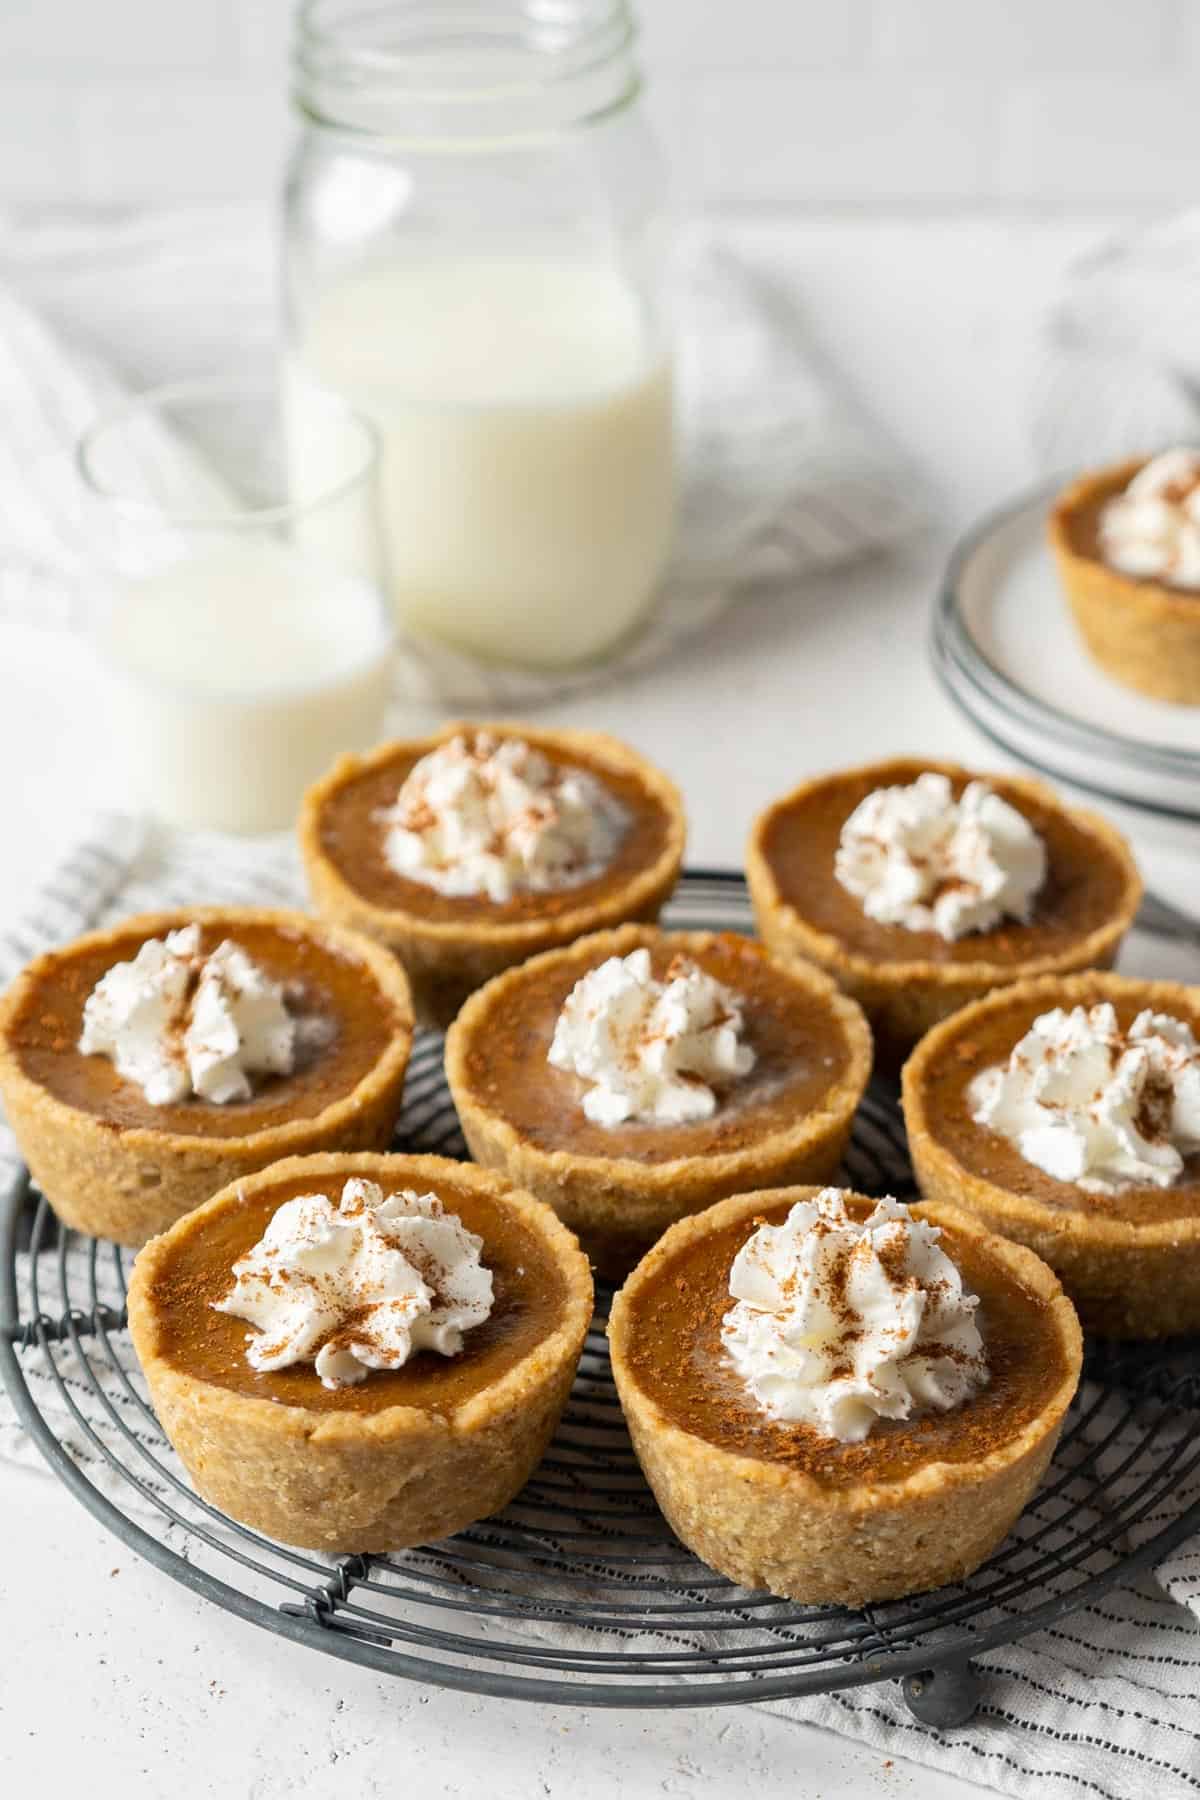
point(1130, 1258)
point(906, 980)
point(118, 1165)
point(450, 942)
point(405, 1455)
point(619, 1185)
point(1143, 632)
point(918, 1502)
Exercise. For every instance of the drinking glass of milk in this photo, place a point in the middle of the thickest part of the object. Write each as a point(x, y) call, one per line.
point(242, 630)
point(474, 250)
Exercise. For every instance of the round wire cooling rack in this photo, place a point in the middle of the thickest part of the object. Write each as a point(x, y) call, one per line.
point(578, 1592)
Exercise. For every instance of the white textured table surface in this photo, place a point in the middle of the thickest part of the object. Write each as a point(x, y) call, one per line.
point(117, 1681)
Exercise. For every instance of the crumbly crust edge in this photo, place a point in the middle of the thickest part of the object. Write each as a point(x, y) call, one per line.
point(643, 888)
point(942, 1168)
point(865, 1497)
point(1155, 600)
point(808, 941)
point(657, 1179)
point(393, 1423)
point(54, 1113)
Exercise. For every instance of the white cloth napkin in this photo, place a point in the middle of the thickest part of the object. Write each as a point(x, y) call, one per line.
point(782, 474)
point(1121, 350)
point(1101, 1706)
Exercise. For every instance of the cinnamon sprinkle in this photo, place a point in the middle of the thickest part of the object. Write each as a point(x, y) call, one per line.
point(678, 1355)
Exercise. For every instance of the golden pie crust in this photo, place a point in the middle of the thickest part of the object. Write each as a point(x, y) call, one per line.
point(1142, 632)
point(904, 1000)
point(446, 958)
point(126, 1183)
point(769, 1526)
point(343, 1481)
point(1128, 1278)
point(617, 1204)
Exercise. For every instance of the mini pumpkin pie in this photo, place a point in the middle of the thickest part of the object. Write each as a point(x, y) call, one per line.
point(145, 1066)
point(841, 1400)
point(920, 887)
point(1126, 541)
point(638, 1075)
point(469, 851)
point(1065, 1113)
point(414, 1328)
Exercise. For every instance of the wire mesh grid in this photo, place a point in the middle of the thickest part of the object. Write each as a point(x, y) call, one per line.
point(578, 1592)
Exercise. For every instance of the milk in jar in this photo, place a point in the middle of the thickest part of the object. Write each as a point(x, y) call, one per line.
point(525, 410)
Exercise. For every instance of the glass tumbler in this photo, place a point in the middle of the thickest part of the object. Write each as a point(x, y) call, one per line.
point(240, 625)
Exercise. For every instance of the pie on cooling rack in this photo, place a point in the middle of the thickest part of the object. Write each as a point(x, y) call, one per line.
point(361, 1353)
point(841, 1400)
point(638, 1075)
point(473, 849)
point(1126, 541)
point(144, 1066)
point(1065, 1113)
point(920, 887)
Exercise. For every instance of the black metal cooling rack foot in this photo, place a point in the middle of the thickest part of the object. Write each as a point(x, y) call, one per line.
point(321, 1602)
point(945, 1697)
point(76, 1322)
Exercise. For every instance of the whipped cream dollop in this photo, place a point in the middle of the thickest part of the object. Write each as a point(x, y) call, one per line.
point(650, 1048)
point(359, 1285)
point(485, 816)
point(917, 857)
point(837, 1324)
point(1094, 1105)
point(1152, 529)
point(178, 1023)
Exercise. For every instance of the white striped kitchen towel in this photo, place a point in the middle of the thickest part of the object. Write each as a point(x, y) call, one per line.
point(783, 475)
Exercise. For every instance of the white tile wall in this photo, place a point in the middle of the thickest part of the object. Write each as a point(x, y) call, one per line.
point(1002, 39)
point(852, 137)
point(766, 103)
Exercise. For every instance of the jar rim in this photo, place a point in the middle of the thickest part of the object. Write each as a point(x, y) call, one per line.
point(453, 68)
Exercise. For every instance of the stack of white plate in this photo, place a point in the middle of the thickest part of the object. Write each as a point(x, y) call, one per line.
point(1005, 649)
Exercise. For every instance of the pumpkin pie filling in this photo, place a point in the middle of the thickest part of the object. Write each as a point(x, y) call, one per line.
point(1081, 523)
point(840, 1400)
point(1126, 1249)
point(1138, 622)
point(1083, 889)
point(686, 1066)
point(322, 985)
point(800, 1054)
point(528, 1288)
point(183, 1086)
point(992, 1157)
point(676, 1355)
point(469, 851)
point(360, 1352)
point(352, 837)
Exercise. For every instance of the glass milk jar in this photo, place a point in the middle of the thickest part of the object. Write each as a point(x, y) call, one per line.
point(474, 245)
